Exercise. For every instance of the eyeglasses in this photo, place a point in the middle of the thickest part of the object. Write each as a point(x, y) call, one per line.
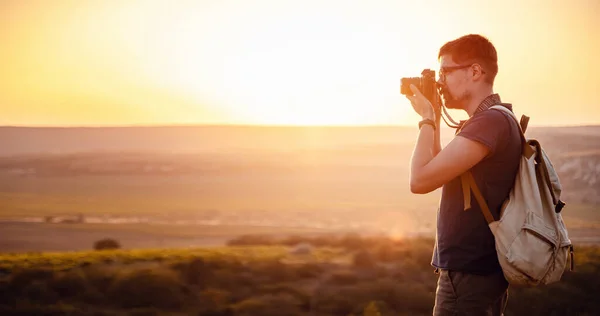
point(448, 69)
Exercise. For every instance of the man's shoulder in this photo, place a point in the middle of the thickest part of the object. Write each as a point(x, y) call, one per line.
point(492, 114)
point(492, 119)
point(493, 128)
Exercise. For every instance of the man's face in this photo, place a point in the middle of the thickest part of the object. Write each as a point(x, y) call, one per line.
point(454, 82)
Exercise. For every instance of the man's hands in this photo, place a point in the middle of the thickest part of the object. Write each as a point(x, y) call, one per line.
point(422, 106)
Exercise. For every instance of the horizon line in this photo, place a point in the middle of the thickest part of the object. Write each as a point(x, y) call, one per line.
point(252, 126)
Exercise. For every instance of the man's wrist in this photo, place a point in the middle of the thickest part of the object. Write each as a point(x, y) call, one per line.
point(428, 122)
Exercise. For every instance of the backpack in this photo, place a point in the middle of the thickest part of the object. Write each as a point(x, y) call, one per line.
point(532, 241)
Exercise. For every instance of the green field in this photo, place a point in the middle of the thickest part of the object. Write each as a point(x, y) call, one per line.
point(63, 261)
point(340, 276)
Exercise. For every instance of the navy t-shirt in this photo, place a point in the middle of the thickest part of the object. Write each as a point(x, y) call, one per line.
point(464, 241)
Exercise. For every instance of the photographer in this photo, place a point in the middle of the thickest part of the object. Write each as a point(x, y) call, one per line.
point(488, 144)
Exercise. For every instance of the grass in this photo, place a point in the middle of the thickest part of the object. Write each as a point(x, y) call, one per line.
point(263, 280)
point(68, 260)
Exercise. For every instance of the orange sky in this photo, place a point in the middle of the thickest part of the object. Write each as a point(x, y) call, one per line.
point(277, 62)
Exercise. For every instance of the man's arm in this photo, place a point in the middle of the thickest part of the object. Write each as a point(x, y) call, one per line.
point(437, 145)
point(428, 173)
point(431, 167)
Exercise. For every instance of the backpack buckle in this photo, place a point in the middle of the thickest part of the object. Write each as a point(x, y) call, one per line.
point(559, 206)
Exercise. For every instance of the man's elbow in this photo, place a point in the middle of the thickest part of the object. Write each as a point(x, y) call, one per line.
point(418, 187)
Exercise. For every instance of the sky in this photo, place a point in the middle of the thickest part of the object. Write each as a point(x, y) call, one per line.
point(146, 62)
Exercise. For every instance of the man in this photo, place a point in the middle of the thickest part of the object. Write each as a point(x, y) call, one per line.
point(489, 145)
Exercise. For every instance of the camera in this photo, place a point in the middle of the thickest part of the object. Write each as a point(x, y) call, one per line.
point(426, 84)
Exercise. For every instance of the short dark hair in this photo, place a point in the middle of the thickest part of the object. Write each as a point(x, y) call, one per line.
point(473, 48)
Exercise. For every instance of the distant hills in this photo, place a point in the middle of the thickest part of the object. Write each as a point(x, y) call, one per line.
point(575, 151)
point(42, 140)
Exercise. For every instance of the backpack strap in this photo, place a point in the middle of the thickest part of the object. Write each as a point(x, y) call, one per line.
point(524, 122)
point(468, 181)
point(468, 184)
point(524, 118)
point(527, 150)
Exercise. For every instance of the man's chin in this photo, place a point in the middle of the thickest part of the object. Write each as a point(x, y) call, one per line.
point(452, 105)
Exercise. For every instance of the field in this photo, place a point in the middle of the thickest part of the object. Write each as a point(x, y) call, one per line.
point(198, 186)
point(248, 221)
point(263, 276)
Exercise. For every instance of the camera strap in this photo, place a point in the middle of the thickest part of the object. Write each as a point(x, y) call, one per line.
point(455, 124)
point(445, 111)
point(447, 117)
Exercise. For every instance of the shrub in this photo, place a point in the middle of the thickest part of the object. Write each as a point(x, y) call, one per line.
point(294, 240)
point(214, 300)
point(195, 272)
point(46, 310)
point(148, 288)
point(301, 249)
point(106, 244)
point(144, 312)
point(363, 260)
point(6, 295)
point(100, 278)
point(252, 240)
point(343, 278)
point(575, 294)
point(92, 296)
point(22, 278)
point(352, 241)
point(225, 279)
point(302, 298)
point(326, 241)
point(309, 270)
point(408, 297)
point(40, 292)
point(386, 253)
point(227, 311)
point(334, 303)
point(376, 308)
point(269, 305)
point(68, 284)
point(274, 271)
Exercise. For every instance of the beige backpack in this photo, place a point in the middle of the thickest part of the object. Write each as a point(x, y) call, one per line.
point(531, 238)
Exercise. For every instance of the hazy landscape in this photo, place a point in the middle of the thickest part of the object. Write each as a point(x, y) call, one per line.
point(177, 158)
point(63, 188)
point(237, 221)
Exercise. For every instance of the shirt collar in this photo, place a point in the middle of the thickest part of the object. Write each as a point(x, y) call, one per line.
point(487, 103)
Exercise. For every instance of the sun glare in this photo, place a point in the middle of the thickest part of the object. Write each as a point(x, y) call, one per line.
point(327, 72)
point(275, 62)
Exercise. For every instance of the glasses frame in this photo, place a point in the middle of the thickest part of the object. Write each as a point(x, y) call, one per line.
point(449, 69)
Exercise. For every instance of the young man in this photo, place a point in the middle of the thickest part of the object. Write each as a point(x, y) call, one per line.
point(489, 145)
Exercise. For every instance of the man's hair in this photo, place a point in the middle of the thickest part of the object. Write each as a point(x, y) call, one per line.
point(473, 48)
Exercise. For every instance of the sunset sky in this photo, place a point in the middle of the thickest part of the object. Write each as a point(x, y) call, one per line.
point(109, 62)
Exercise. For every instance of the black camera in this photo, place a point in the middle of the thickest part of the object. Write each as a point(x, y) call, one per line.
point(426, 84)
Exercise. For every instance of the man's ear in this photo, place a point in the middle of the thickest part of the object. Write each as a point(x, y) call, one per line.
point(477, 70)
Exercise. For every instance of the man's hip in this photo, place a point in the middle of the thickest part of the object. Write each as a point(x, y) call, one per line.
point(460, 293)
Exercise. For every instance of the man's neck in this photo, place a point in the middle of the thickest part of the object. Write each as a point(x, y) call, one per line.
point(477, 99)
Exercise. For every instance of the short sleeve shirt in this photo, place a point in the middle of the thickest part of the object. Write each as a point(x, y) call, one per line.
point(464, 241)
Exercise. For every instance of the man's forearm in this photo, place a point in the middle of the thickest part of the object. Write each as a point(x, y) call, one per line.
point(437, 145)
point(423, 152)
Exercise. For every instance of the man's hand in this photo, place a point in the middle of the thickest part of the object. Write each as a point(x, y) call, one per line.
point(421, 105)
